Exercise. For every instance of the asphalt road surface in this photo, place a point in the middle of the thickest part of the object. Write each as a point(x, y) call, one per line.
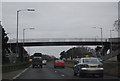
point(49, 72)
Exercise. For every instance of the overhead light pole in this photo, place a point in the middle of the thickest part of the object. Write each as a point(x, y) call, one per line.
point(24, 36)
point(101, 32)
point(18, 11)
point(111, 32)
point(24, 33)
point(101, 36)
point(111, 41)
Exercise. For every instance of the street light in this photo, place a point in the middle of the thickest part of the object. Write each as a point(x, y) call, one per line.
point(111, 33)
point(18, 11)
point(111, 41)
point(24, 33)
point(24, 36)
point(101, 32)
point(101, 36)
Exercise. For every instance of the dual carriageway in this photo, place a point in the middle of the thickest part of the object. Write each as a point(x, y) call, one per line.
point(48, 71)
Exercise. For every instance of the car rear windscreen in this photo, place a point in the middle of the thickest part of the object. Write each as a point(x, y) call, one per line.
point(91, 61)
point(59, 61)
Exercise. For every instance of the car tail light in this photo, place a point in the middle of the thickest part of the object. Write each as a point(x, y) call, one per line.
point(56, 62)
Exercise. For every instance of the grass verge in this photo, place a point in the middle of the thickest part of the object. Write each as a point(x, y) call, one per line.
point(14, 67)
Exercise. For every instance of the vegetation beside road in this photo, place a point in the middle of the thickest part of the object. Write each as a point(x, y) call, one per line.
point(14, 67)
point(69, 64)
point(112, 68)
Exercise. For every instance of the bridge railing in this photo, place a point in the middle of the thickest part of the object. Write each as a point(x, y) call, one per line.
point(60, 40)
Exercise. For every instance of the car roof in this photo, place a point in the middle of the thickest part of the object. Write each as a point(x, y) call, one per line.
point(58, 60)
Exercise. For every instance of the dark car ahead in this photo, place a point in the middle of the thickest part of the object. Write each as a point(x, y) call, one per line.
point(89, 65)
point(37, 60)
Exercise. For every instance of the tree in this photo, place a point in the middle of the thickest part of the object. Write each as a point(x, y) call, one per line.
point(77, 52)
point(63, 55)
point(4, 45)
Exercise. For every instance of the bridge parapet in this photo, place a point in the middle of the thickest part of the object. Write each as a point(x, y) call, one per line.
point(60, 40)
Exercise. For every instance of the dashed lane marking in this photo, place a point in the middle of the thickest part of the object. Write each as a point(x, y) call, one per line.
point(21, 72)
point(62, 75)
point(55, 71)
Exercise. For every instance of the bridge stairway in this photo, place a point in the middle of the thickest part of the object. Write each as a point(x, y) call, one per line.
point(112, 54)
point(103, 52)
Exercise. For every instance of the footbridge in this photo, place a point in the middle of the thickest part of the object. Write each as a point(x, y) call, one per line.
point(106, 43)
point(59, 41)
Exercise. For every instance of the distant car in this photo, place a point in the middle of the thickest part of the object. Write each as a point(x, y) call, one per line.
point(59, 63)
point(44, 62)
point(89, 65)
point(37, 62)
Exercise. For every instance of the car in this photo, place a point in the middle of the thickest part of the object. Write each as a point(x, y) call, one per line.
point(44, 62)
point(90, 65)
point(37, 60)
point(59, 63)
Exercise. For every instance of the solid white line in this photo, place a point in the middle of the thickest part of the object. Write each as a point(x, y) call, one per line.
point(21, 73)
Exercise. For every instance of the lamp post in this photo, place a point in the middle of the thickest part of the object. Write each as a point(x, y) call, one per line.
point(24, 36)
point(101, 32)
point(24, 33)
point(111, 41)
point(111, 33)
point(18, 11)
point(101, 35)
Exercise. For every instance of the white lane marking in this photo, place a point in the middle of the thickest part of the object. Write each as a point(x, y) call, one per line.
point(62, 75)
point(30, 66)
point(21, 72)
point(55, 71)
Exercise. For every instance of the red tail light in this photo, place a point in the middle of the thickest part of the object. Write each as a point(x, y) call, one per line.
point(62, 62)
point(56, 62)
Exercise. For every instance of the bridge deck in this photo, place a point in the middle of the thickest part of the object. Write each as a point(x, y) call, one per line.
point(58, 43)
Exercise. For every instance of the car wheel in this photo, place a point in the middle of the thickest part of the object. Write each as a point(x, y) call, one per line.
point(75, 74)
point(54, 66)
point(33, 66)
point(41, 66)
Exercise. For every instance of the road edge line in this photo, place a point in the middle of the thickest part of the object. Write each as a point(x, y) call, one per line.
point(21, 73)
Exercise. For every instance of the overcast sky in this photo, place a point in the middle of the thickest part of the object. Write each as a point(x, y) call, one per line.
point(60, 20)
